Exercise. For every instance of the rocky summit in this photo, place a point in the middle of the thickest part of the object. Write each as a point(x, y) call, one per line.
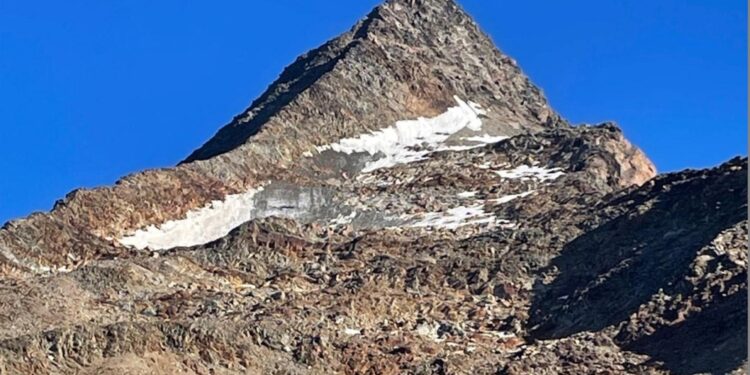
point(401, 199)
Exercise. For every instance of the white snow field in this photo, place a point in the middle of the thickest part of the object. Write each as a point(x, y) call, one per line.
point(467, 194)
point(526, 172)
point(456, 217)
point(201, 226)
point(395, 143)
point(464, 215)
point(396, 146)
point(486, 139)
point(478, 141)
point(343, 220)
point(508, 198)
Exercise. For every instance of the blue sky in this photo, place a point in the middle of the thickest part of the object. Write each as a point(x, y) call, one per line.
point(92, 90)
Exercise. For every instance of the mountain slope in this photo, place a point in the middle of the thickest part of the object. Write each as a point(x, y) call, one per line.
point(669, 271)
point(322, 294)
point(401, 200)
point(409, 58)
point(406, 59)
point(366, 298)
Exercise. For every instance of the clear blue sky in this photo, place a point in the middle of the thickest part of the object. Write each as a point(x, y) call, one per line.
point(92, 90)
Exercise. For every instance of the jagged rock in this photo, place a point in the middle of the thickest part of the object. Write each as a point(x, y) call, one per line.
point(526, 246)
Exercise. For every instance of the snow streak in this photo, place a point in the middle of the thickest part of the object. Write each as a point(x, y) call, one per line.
point(395, 144)
point(525, 172)
point(204, 225)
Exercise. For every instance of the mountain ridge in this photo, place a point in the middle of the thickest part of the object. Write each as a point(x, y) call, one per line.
point(369, 34)
point(400, 200)
point(109, 212)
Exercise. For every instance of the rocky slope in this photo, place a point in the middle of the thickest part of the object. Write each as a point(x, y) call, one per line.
point(408, 58)
point(400, 200)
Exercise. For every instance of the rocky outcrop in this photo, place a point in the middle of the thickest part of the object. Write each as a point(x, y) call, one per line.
point(487, 237)
point(406, 59)
point(365, 298)
point(667, 270)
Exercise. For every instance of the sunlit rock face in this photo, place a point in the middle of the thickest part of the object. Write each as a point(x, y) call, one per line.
point(401, 200)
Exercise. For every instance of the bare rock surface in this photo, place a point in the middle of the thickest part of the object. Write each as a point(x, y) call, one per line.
point(408, 59)
point(401, 200)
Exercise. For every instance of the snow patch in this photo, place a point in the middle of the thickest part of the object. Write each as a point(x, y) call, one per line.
point(342, 220)
point(486, 138)
point(456, 217)
point(352, 332)
point(458, 148)
point(429, 331)
point(201, 226)
point(466, 194)
point(479, 142)
point(509, 198)
point(396, 143)
point(525, 172)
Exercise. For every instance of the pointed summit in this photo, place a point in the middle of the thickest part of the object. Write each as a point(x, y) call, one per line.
point(406, 59)
point(405, 164)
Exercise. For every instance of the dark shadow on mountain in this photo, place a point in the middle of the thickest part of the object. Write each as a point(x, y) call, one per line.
point(295, 79)
point(712, 341)
point(608, 272)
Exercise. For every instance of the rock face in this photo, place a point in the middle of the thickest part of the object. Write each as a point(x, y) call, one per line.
point(400, 200)
point(667, 272)
point(409, 58)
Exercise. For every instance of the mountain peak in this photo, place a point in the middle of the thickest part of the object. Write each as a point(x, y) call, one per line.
point(400, 200)
point(406, 59)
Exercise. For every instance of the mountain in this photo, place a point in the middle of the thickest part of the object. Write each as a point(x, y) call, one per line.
point(408, 58)
point(401, 199)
